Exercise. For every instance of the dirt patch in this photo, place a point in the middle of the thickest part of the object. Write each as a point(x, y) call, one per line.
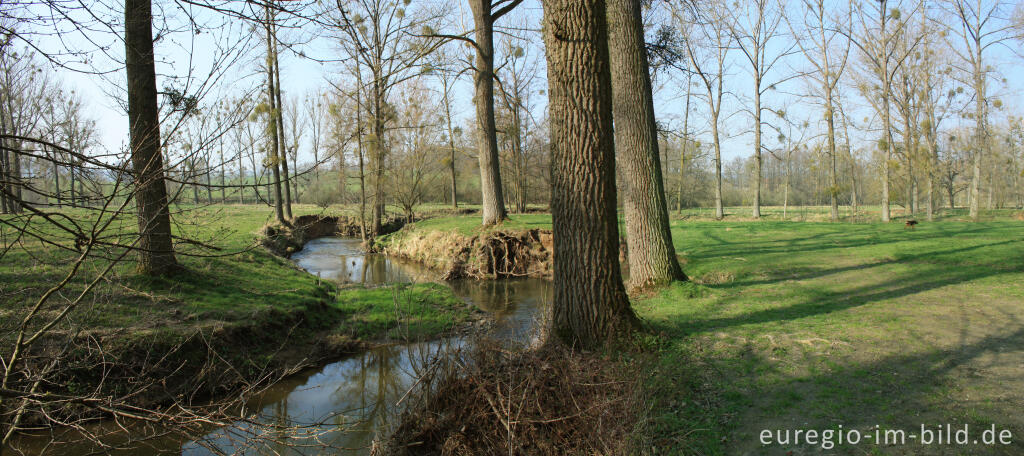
point(490, 255)
point(546, 401)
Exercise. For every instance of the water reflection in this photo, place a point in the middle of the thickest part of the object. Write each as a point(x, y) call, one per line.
point(342, 405)
point(339, 407)
point(342, 260)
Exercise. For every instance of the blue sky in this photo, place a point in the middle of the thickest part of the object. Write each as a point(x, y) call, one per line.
point(182, 50)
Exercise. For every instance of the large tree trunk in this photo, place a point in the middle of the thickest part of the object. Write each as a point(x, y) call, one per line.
point(487, 138)
point(652, 257)
point(590, 302)
point(156, 248)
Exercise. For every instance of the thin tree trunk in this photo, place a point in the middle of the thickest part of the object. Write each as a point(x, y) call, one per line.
point(652, 257)
point(241, 180)
point(590, 303)
point(979, 134)
point(682, 151)
point(279, 112)
point(156, 249)
point(272, 129)
point(223, 166)
point(378, 158)
point(359, 149)
point(56, 176)
point(886, 120)
point(719, 210)
point(451, 144)
point(756, 212)
point(4, 172)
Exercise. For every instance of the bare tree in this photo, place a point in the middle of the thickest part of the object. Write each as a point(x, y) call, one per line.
point(384, 39)
point(879, 25)
point(707, 43)
point(827, 51)
point(979, 26)
point(272, 112)
point(754, 27)
point(485, 14)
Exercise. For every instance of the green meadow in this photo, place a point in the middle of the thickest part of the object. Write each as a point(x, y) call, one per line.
point(818, 325)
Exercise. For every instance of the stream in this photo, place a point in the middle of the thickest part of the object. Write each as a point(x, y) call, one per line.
point(357, 394)
point(339, 408)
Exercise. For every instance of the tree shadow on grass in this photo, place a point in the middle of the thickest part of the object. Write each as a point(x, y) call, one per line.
point(1009, 263)
point(819, 301)
point(900, 392)
point(829, 240)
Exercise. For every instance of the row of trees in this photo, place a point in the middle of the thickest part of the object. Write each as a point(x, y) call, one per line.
point(386, 130)
point(918, 65)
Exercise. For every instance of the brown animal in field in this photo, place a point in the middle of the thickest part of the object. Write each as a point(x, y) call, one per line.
point(910, 224)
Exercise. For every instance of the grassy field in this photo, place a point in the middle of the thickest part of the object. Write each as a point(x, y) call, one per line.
point(786, 325)
point(816, 325)
point(832, 326)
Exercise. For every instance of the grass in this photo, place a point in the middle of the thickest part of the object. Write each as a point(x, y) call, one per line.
point(402, 311)
point(232, 285)
point(817, 325)
point(785, 326)
point(821, 325)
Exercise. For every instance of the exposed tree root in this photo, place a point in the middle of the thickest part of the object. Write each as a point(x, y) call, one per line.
point(491, 255)
point(547, 401)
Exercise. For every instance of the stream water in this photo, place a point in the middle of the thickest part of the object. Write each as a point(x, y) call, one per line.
point(341, 406)
point(356, 395)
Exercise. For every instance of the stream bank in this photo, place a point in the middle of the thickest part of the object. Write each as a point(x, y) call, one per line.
point(209, 357)
point(488, 255)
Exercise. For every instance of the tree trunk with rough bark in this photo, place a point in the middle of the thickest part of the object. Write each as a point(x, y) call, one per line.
point(156, 248)
point(590, 303)
point(652, 257)
point(493, 200)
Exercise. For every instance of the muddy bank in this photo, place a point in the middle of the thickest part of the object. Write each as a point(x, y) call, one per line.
point(199, 360)
point(284, 241)
point(492, 255)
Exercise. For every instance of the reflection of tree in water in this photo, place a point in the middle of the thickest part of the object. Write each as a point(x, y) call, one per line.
point(371, 390)
point(362, 391)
